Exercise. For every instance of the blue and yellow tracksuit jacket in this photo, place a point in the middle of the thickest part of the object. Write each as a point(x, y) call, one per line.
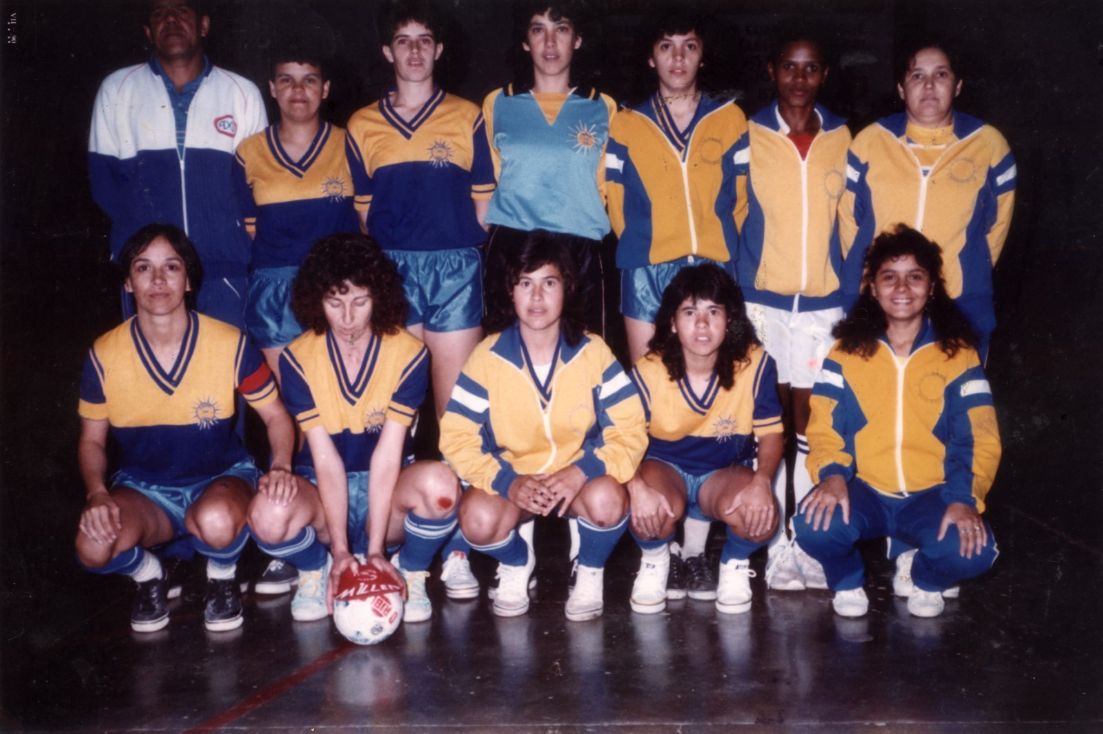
point(788, 243)
point(964, 205)
point(666, 199)
point(907, 424)
point(504, 422)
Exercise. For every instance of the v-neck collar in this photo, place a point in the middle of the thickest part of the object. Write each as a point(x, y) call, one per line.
point(299, 167)
point(408, 128)
point(353, 389)
point(700, 404)
point(543, 387)
point(167, 381)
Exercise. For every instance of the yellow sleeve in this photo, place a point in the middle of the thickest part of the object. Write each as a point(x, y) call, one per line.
point(488, 121)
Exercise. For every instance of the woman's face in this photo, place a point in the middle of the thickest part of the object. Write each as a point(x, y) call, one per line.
point(929, 88)
point(902, 288)
point(677, 59)
point(552, 44)
point(700, 325)
point(349, 313)
point(798, 73)
point(158, 279)
point(538, 298)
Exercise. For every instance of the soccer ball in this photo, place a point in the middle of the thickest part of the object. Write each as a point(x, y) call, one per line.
point(367, 605)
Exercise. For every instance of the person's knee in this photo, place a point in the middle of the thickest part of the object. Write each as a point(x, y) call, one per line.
point(90, 553)
point(606, 501)
point(216, 523)
point(271, 522)
point(479, 524)
point(945, 556)
point(438, 487)
point(825, 540)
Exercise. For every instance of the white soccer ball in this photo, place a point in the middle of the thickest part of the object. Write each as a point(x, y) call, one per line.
point(367, 605)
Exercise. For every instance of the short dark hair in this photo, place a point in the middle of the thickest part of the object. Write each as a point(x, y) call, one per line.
point(529, 253)
point(199, 6)
point(396, 13)
point(557, 10)
point(704, 282)
point(865, 323)
point(179, 241)
point(910, 48)
point(338, 260)
point(800, 30)
point(298, 51)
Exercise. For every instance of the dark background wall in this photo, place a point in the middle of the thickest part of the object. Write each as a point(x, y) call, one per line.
point(1035, 71)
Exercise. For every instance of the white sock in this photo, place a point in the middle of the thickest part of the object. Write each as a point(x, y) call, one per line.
point(696, 535)
point(576, 540)
point(780, 479)
point(148, 569)
point(218, 571)
point(802, 480)
point(656, 554)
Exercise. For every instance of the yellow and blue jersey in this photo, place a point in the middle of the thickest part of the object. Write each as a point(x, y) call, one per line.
point(318, 391)
point(702, 433)
point(789, 251)
point(503, 421)
point(906, 424)
point(417, 178)
point(665, 185)
point(550, 172)
point(288, 205)
point(963, 203)
point(174, 426)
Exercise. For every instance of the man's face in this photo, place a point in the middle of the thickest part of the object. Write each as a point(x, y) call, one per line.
point(413, 51)
point(175, 29)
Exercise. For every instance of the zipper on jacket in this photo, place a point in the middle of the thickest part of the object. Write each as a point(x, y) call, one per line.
point(184, 189)
point(901, 367)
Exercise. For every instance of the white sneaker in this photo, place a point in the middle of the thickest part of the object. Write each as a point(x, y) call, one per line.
point(811, 570)
point(587, 598)
point(649, 588)
point(459, 582)
point(733, 590)
point(902, 584)
point(417, 607)
point(851, 603)
point(512, 597)
point(782, 571)
point(309, 602)
point(925, 603)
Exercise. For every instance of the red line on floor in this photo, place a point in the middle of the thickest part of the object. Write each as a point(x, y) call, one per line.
point(276, 689)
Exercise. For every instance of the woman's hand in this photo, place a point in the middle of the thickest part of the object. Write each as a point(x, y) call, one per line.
point(563, 486)
point(101, 519)
point(820, 504)
point(759, 509)
point(387, 568)
point(341, 561)
point(649, 508)
point(279, 486)
point(531, 494)
point(971, 529)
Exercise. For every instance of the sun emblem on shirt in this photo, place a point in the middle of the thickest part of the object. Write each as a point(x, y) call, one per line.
point(724, 428)
point(373, 421)
point(334, 188)
point(206, 413)
point(962, 170)
point(440, 154)
point(583, 137)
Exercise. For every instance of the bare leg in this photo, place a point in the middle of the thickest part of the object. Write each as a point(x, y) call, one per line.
point(639, 334)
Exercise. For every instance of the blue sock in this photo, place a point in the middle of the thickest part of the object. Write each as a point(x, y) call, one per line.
point(738, 548)
point(511, 552)
point(123, 564)
point(223, 556)
point(596, 544)
point(455, 542)
point(304, 552)
point(651, 544)
point(180, 548)
point(424, 537)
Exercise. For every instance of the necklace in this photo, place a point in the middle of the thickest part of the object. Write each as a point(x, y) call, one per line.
point(676, 97)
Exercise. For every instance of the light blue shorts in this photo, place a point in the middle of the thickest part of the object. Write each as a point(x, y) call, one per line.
point(175, 500)
point(268, 316)
point(694, 482)
point(641, 289)
point(444, 288)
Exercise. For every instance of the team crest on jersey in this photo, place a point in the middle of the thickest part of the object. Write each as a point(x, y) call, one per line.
point(962, 170)
point(834, 184)
point(440, 154)
point(226, 125)
point(206, 413)
point(724, 428)
point(334, 188)
point(932, 386)
point(584, 138)
point(712, 151)
point(373, 421)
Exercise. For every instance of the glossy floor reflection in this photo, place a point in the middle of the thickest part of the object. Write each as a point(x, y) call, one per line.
point(1020, 650)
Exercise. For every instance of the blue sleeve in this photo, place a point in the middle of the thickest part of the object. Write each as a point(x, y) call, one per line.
point(865, 223)
point(244, 192)
point(410, 393)
point(482, 166)
point(731, 204)
point(767, 405)
point(91, 380)
point(296, 392)
point(362, 183)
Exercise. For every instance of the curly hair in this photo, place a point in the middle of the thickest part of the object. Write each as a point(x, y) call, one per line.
point(705, 282)
point(859, 332)
point(529, 253)
point(341, 260)
point(179, 241)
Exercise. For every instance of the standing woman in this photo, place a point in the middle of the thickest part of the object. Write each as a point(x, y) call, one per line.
point(903, 435)
point(940, 171)
point(547, 138)
point(664, 173)
point(543, 420)
point(789, 255)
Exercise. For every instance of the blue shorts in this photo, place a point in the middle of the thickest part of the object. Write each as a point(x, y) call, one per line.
point(175, 500)
point(694, 482)
point(641, 289)
point(268, 316)
point(444, 288)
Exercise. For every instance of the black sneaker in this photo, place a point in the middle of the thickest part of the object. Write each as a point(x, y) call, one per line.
point(223, 605)
point(279, 578)
point(173, 571)
point(676, 578)
point(150, 612)
point(700, 581)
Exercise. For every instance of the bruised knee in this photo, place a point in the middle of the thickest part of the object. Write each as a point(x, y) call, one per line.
point(605, 501)
point(438, 486)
